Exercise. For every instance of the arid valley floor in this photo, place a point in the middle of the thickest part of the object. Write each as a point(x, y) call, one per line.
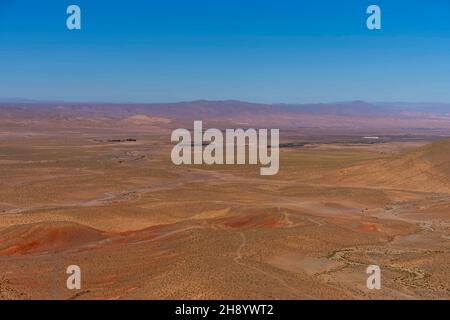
point(74, 191)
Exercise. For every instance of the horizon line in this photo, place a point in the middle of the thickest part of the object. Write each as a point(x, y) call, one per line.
point(17, 100)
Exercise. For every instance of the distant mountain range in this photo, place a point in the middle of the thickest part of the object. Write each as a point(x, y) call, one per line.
point(354, 114)
point(418, 107)
point(349, 108)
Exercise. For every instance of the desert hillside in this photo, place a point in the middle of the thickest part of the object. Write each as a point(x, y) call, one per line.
point(424, 169)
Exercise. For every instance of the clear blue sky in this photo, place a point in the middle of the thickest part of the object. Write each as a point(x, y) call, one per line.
point(261, 50)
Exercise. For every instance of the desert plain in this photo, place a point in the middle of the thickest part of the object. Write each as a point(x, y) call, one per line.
point(94, 186)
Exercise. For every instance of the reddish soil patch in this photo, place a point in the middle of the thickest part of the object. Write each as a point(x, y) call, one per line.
point(42, 237)
point(368, 227)
point(255, 220)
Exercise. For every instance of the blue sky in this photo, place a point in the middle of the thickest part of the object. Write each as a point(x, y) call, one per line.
point(262, 51)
